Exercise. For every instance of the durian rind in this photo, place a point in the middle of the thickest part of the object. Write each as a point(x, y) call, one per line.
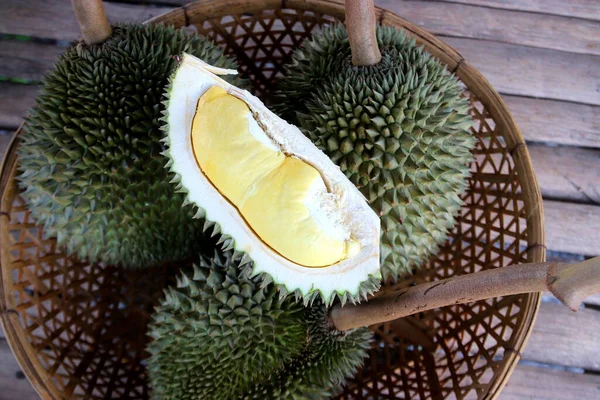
point(219, 331)
point(399, 130)
point(89, 160)
point(221, 334)
point(329, 359)
point(349, 280)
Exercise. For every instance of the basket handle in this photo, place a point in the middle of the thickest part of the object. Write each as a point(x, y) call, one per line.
point(92, 20)
point(361, 25)
point(570, 283)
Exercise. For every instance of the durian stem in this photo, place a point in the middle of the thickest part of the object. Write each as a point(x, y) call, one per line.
point(92, 20)
point(570, 283)
point(361, 25)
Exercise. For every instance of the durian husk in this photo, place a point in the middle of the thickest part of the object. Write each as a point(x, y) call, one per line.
point(221, 334)
point(90, 163)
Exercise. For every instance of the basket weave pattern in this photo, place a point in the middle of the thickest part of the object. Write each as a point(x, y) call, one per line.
point(78, 329)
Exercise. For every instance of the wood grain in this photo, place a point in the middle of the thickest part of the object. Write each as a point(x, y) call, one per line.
point(529, 71)
point(27, 60)
point(537, 30)
point(572, 228)
point(11, 386)
point(567, 173)
point(588, 9)
point(555, 121)
point(563, 337)
point(15, 100)
point(56, 20)
point(532, 383)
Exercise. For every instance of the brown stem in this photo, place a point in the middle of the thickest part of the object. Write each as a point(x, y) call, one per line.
point(570, 283)
point(92, 20)
point(361, 25)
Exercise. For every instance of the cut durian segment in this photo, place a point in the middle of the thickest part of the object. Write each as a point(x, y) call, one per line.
point(281, 200)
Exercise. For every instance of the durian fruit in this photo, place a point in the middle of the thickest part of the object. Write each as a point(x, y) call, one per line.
point(329, 358)
point(398, 129)
point(90, 159)
point(271, 193)
point(221, 334)
point(219, 331)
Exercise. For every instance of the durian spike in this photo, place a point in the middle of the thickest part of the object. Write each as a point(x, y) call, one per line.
point(92, 20)
point(361, 25)
point(570, 283)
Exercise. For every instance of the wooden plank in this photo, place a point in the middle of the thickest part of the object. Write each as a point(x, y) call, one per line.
point(27, 60)
point(563, 337)
point(525, 28)
point(15, 100)
point(555, 121)
point(12, 381)
point(533, 72)
point(55, 19)
point(588, 9)
point(572, 228)
point(533, 383)
point(567, 173)
point(4, 142)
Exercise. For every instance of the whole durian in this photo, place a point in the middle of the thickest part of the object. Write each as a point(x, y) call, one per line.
point(222, 334)
point(90, 159)
point(399, 130)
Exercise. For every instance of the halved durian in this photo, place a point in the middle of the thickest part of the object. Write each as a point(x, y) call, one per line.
point(269, 190)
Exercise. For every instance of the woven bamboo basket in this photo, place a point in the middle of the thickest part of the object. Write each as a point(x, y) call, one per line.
point(78, 330)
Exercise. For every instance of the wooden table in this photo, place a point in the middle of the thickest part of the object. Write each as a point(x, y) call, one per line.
point(543, 56)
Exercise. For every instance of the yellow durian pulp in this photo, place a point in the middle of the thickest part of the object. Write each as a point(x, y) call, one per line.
point(283, 199)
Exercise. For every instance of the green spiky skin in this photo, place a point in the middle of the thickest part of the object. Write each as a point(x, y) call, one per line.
point(399, 130)
point(90, 159)
point(224, 335)
point(330, 357)
point(219, 331)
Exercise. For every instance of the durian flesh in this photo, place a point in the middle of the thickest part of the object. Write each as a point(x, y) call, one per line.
point(281, 200)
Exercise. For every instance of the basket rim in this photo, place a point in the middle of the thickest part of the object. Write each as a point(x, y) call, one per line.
point(16, 335)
